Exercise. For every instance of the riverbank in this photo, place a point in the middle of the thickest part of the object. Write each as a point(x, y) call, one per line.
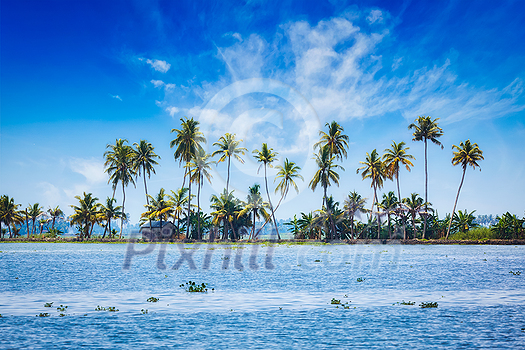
point(291, 241)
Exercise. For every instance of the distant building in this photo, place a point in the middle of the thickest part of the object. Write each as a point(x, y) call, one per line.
point(158, 233)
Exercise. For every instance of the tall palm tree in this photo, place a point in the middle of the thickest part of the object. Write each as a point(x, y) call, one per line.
point(187, 143)
point(335, 140)
point(35, 211)
point(119, 166)
point(226, 209)
point(144, 162)
point(109, 212)
point(466, 154)
point(354, 204)
point(55, 213)
point(324, 175)
point(199, 169)
point(228, 147)
point(389, 204)
point(266, 156)
point(178, 199)
point(256, 205)
point(395, 157)
point(374, 169)
point(426, 129)
point(287, 173)
point(9, 213)
point(159, 208)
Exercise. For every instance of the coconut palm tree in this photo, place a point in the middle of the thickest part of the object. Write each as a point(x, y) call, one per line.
point(144, 162)
point(307, 225)
point(466, 154)
point(266, 156)
point(354, 204)
point(255, 205)
point(325, 175)
point(389, 204)
point(294, 225)
point(414, 205)
point(159, 208)
point(119, 166)
point(35, 211)
point(187, 142)
point(199, 168)
point(9, 213)
point(426, 129)
point(110, 212)
point(395, 157)
point(374, 169)
point(287, 173)
point(228, 147)
point(55, 213)
point(85, 214)
point(335, 140)
point(226, 209)
point(178, 199)
point(464, 221)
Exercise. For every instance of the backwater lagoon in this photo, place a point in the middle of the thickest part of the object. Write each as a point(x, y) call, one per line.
point(261, 296)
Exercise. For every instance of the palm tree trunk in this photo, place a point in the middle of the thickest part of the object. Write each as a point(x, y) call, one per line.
point(456, 201)
point(199, 209)
point(123, 210)
point(189, 205)
point(146, 191)
point(377, 207)
point(388, 223)
point(252, 236)
point(27, 225)
point(270, 201)
point(228, 177)
point(399, 199)
point(352, 226)
point(426, 193)
point(33, 226)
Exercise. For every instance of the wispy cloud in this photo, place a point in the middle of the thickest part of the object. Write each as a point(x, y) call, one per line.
point(158, 65)
point(116, 97)
point(172, 110)
point(92, 169)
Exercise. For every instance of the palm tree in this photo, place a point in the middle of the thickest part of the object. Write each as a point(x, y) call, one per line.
point(188, 143)
point(335, 140)
point(414, 205)
point(307, 224)
point(226, 209)
point(159, 208)
point(199, 168)
point(354, 204)
point(228, 147)
point(85, 214)
point(256, 205)
point(294, 224)
point(466, 154)
point(464, 221)
point(374, 169)
point(178, 199)
point(110, 212)
point(266, 156)
point(287, 173)
point(119, 166)
point(35, 211)
point(389, 204)
point(55, 213)
point(144, 162)
point(395, 156)
point(426, 129)
point(325, 174)
point(9, 213)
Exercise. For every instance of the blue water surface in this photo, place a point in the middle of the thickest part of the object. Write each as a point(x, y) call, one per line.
point(264, 296)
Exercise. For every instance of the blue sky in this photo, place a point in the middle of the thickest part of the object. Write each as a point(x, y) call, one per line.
point(75, 76)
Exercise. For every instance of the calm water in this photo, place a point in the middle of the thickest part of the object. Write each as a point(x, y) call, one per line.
point(264, 297)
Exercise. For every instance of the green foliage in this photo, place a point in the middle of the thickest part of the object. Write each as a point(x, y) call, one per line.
point(478, 233)
point(195, 288)
point(48, 304)
point(405, 303)
point(428, 305)
point(152, 300)
point(144, 311)
point(517, 273)
point(62, 308)
point(360, 279)
point(109, 308)
point(43, 314)
point(335, 301)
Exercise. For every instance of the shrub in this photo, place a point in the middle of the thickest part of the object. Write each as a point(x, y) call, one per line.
point(478, 233)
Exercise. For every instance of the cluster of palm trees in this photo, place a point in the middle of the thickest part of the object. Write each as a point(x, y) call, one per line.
point(232, 218)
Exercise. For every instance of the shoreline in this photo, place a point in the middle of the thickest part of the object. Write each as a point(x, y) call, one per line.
point(291, 241)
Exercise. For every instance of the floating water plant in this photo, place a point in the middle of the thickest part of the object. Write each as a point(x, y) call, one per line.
point(317, 260)
point(428, 305)
point(48, 304)
point(62, 308)
point(335, 301)
point(144, 311)
point(100, 308)
point(43, 314)
point(112, 309)
point(360, 279)
point(517, 273)
point(152, 299)
point(194, 287)
point(405, 303)
point(109, 308)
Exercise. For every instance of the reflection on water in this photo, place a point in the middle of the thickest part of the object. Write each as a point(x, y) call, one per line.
point(265, 296)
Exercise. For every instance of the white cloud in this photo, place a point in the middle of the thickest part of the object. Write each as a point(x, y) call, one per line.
point(157, 83)
point(375, 16)
point(116, 97)
point(92, 169)
point(172, 110)
point(158, 65)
